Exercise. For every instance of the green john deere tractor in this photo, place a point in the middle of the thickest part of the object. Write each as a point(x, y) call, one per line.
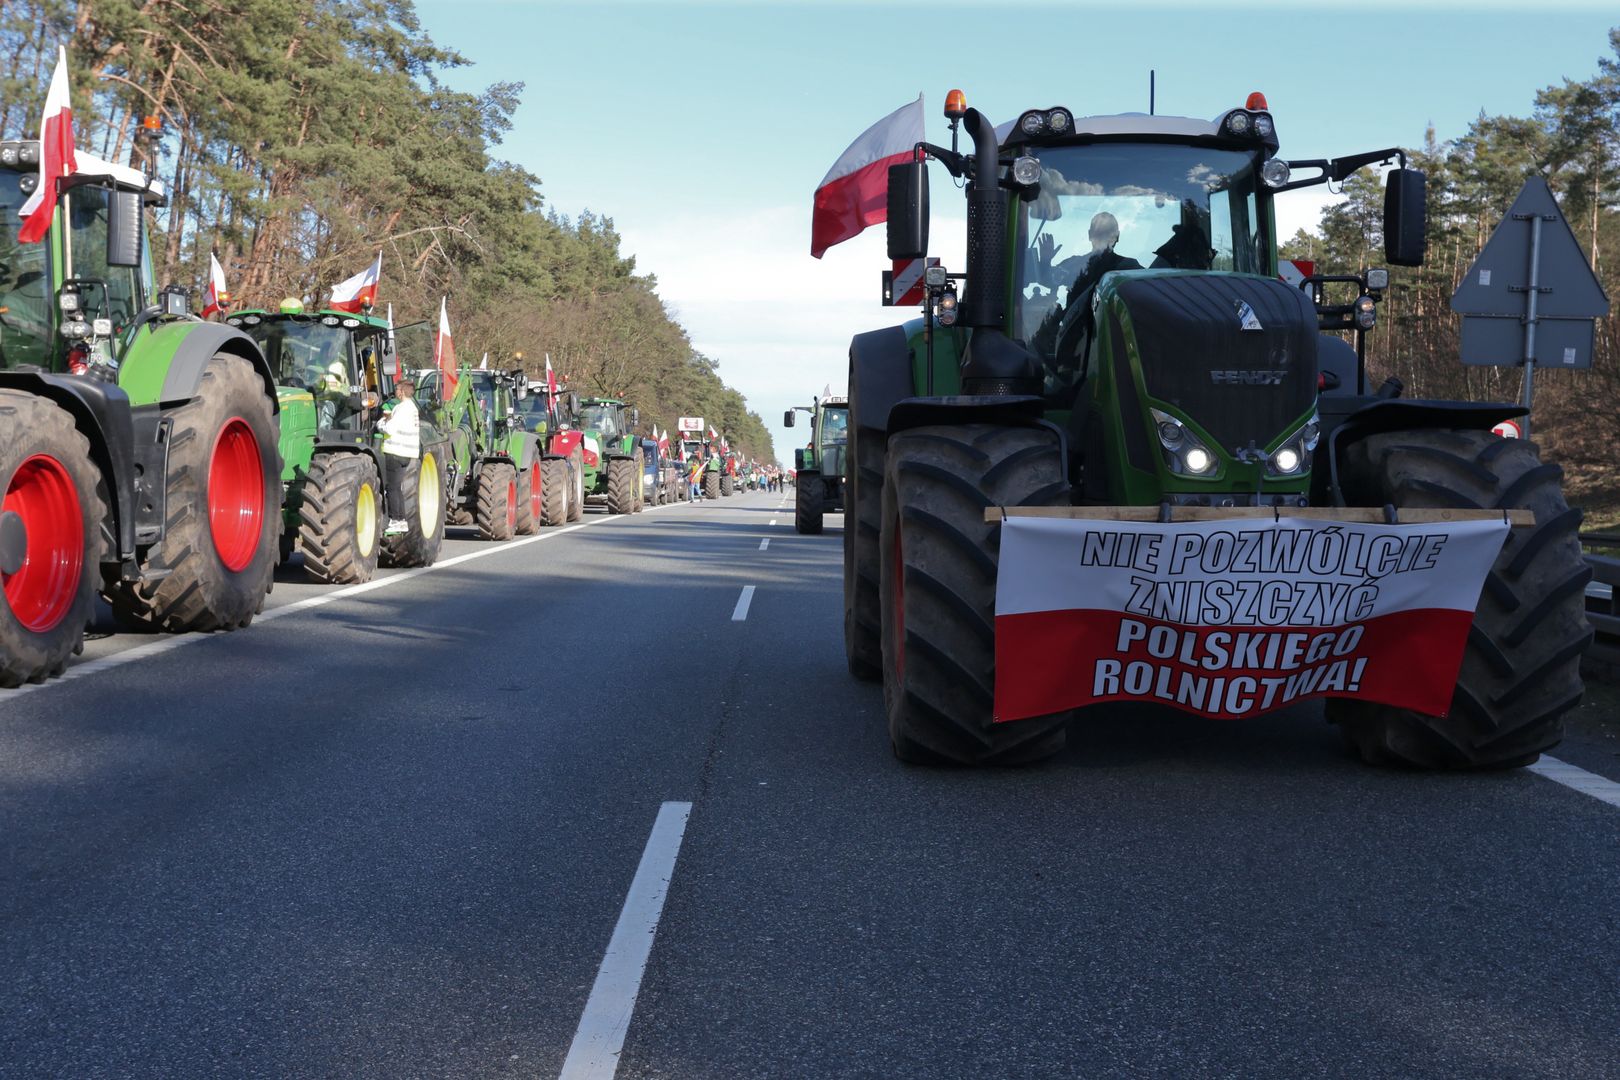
point(135, 440)
point(820, 465)
point(562, 459)
point(333, 371)
point(495, 481)
point(1123, 340)
point(614, 469)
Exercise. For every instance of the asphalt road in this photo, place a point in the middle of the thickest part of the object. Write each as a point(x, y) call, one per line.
point(393, 834)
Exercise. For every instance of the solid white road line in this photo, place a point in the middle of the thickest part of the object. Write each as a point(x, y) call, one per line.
point(765, 543)
point(594, 1054)
point(165, 644)
point(1562, 772)
point(740, 612)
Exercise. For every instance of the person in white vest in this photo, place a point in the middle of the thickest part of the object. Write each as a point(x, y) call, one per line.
point(402, 446)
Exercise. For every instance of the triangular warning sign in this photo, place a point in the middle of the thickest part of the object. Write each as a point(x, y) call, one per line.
point(1496, 283)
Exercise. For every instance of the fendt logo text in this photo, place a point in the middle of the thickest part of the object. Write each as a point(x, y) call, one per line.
point(1259, 377)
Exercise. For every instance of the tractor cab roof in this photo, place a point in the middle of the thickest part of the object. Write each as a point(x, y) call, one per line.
point(601, 401)
point(345, 319)
point(1237, 129)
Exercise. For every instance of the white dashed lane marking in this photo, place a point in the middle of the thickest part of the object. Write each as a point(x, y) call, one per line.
point(740, 612)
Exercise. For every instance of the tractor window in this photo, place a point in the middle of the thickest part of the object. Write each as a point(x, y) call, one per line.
point(535, 411)
point(305, 353)
point(25, 299)
point(121, 298)
point(834, 426)
point(1130, 206)
point(601, 418)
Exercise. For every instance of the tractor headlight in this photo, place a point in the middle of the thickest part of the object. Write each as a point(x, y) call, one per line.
point(1294, 455)
point(1286, 460)
point(1275, 173)
point(945, 311)
point(1366, 313)
point(1198, 460)
point(1184, 452)
point(1026, 171)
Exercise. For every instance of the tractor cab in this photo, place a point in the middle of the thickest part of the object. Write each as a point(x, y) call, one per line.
point(608, 420)
point(340, 363)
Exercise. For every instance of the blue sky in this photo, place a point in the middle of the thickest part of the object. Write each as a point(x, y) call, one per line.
point(703, 129)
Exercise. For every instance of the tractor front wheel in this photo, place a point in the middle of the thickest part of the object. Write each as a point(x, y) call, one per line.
point(496, 514)
point(50, 532)
point(555, 486)
point(807, 506)
point(576, 505)
point(937, 584)
point(530, 499)
point(213, 567)
point(728, 486)
point(1521, 671)
point(622, 496)
point(423, 489)
point(339, 521)
point(711, 485)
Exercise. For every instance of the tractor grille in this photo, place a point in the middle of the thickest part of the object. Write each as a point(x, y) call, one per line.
point(1239, 385)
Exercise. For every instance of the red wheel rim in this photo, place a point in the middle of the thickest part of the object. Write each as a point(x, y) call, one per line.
point(511, 505)
point(41, 592)
point(236, 494)
point(899, 607)
point(537, 504)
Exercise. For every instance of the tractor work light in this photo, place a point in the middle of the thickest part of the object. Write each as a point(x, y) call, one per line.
point(233, 321)
point(1060, 121)
point(28, 153)
point(1033, 123)
point(1026, 171)
point(101, 328)
point(1238, 123)
point(253, 320)
point(1275, 173)
point(330, 320)
point(68, 301)
point(27, 183)
point(1263, 126)
point(936, 277)
point(1378, 279)
point(1366, 312)
point(8, 156)
point(350, 324)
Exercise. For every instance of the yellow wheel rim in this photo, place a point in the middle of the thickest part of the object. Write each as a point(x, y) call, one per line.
point(427, 495)
point(365, 520)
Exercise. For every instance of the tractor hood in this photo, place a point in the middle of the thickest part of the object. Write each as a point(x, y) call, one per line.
point(1234, 353)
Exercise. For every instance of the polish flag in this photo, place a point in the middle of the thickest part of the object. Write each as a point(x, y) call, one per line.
point(663, 441)
point(1234, 618)
point(855, 191)
point(359, 291)
point(56, 157)
point(551, 380)
point(215, 297)
point(713, 434)
point(444, 355)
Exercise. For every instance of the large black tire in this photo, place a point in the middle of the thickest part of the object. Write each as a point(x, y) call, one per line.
point(728, 486)
point(340, 519)
point(640, 502)
point(711, 484)
point(863, 628)
point(576, 505)
point(622, 497)
point(807, 508)
point(59, 488)
point(531, 490)
point(419, 544)
point(937, 583)
point(555, 488)
point(1521, 670)
point(496, 512)
point(189, 585)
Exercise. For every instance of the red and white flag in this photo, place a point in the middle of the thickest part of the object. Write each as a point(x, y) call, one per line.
point(551, 379)
point(713, 434)
point(855, 191)
point(1229, 619)
point(56, 157)
point(663, 441)
point(444, 354)
point(359, 291)
point(215, 297)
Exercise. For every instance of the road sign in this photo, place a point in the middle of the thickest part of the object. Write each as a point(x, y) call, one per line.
point(903, 286)
point(1295, 271)
point(690, 423)
point(1531, 297)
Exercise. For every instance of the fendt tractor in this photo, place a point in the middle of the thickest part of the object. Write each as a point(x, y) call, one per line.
point(1123, 340)
point(821, 464)
point(333, 371)
point(494, 465)
point(562, 465)
point(613, 459)
point(137, 443)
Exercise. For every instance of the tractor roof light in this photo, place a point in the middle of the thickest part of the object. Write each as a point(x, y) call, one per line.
point(955, 105)
point(1263, 126)
point(1033, 123)
point(1238, 123)
point(1256, 102)
point(292, 306)
point(8, 155)
point(1275, 173)
point(1059, 121)
point(28, 152)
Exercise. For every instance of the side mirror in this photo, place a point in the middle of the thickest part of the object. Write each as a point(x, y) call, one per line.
point(635, 417)
point(573, 403)
point(174, 300)
point(787, 417)
point(124, 228)
point(1405, 217)
point(908, 210)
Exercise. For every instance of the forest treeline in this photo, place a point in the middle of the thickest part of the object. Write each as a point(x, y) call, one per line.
point(302, 136)
point(1570, 137)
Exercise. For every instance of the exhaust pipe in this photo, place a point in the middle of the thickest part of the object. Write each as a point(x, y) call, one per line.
point(993, 364)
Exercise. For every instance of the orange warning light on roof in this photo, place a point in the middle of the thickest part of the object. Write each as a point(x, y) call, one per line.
point(151, 123)
point(955, 104)
point(1257, 100)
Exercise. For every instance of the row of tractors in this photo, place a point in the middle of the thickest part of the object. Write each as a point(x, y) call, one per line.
point(168, 464)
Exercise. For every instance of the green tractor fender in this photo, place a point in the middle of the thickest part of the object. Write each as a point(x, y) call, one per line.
point(523, 447)
point(167, 364)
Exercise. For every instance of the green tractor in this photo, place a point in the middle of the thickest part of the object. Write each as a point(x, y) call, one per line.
point(821, 464)
point(135, 440)
point(1123, 340)
point(333, 371)
point(613, 461)
point(562, 461)
point(495, 482)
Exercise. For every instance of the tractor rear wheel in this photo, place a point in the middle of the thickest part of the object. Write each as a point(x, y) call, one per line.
point(728, 486)
point(807, 508)
point(576, 504)
point(50, 538)
point(863, 637)
point(530, 496)
point(423, 489)
point(937, 583)
point(1521, 670)
point(622, 496)
point(496, 513)
point(213, 567)
point(555, 487)
point(339, 523)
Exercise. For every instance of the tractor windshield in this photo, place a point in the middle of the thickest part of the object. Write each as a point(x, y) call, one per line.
point(25, 301)
point(111, 292)
point(535, 410)
point(305, 353)
point(1132, 206)
point(601, 418)
point(834, 427)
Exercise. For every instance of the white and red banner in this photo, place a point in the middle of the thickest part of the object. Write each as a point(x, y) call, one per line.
point(444, 355)
point(689, 423)
point(551, 382)
point(1295, 271)
point(359, 291)
point(56, 157)
point(855, 191)
point(1233, 618)
point(216, 296)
